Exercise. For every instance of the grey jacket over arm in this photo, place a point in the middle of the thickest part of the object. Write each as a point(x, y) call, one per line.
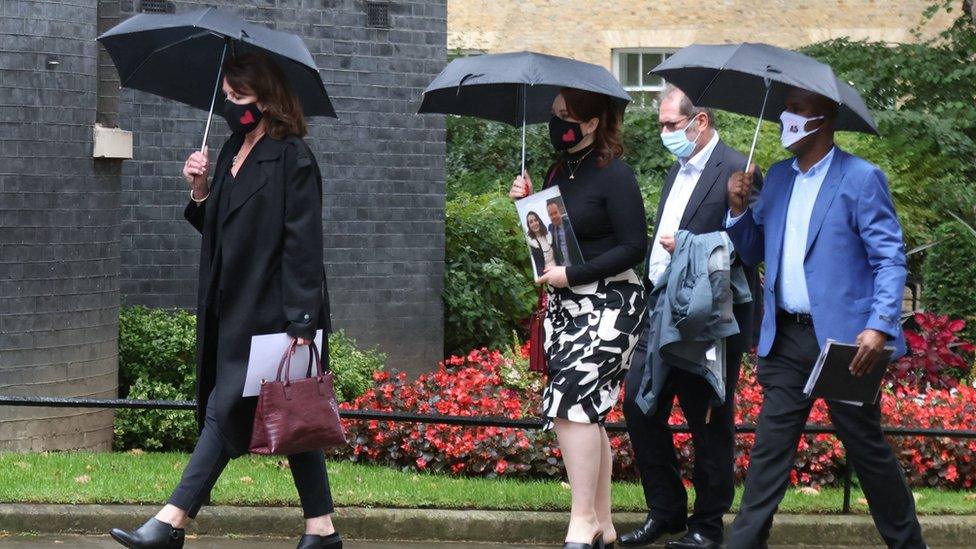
point(691, 313)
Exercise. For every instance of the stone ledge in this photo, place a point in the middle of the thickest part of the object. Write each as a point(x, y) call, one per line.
point(443, 525)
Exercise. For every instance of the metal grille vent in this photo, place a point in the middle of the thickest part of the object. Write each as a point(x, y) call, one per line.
point(378, 15)
point(156, 6)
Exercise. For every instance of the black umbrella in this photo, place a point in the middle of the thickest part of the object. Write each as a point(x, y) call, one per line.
point(514, 88)
point(753, 79)
point(179, 56)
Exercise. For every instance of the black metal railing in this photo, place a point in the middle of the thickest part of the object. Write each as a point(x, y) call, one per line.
point(470, 421)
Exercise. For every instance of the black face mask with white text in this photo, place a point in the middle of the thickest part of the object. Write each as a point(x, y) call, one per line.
point(242, 118)
point(564, 135)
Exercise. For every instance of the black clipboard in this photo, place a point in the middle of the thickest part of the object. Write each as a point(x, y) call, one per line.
point(832, 379)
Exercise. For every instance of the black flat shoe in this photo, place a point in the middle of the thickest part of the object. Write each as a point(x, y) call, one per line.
point(649, 532)
point(693, 540)
point(154, 534)
point(311, 541)
point(597, 543)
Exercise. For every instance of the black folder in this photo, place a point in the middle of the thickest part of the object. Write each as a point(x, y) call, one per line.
point(832, 379)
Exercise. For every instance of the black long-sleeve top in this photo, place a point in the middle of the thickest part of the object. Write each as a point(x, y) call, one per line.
point(606, 211)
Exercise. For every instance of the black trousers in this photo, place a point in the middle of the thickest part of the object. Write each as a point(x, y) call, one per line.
point(713, 438)
point(784, 413)
point(209, 459)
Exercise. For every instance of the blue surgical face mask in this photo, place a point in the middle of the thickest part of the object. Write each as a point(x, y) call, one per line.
point(678, 143)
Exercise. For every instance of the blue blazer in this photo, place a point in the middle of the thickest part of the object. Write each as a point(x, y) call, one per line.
point(855, 256)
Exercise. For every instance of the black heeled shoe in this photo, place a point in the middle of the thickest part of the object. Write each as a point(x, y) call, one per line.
point(154, 534)
point(311, 541)
point(597, 543)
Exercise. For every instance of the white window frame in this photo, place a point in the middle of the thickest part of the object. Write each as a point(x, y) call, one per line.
point(618, 53)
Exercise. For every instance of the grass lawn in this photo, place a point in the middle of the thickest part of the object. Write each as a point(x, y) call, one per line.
point(149, 478)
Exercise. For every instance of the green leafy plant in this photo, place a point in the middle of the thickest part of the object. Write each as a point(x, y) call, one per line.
point(352, 367)
point(949, 275)
point(488, 286)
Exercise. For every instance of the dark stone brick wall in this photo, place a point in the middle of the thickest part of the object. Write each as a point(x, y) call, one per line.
point(382, 165)
point(59, 228)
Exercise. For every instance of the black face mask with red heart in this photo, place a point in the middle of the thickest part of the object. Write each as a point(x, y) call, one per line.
point(242, 118)
point(564, 135)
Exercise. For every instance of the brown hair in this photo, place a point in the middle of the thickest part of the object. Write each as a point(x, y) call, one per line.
point(256, 74)
point(585, 105)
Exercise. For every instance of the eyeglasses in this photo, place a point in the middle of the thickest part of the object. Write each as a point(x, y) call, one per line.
point(673, 126)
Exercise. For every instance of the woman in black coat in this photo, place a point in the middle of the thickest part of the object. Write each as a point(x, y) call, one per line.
point(261, 271)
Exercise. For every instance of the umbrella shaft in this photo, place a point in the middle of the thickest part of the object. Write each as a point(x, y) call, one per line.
point(213, 100)
point(755, 137)
point(524, 101)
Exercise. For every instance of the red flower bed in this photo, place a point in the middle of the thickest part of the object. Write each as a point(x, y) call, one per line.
point(480, 384)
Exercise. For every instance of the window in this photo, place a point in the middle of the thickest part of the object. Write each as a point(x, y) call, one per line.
point(631, 67)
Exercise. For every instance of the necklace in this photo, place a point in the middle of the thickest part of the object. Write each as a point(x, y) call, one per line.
point(572, 170)
point(249, 147)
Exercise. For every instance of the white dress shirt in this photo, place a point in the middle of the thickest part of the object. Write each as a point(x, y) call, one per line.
point(791, 283)
point(674, 208)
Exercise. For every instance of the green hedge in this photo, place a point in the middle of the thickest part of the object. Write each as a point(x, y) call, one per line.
point(949, 275)
point(157, 362)
point(488, 287)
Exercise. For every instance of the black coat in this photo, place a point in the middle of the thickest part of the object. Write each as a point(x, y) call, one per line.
point(706, 212)
point(266, 275)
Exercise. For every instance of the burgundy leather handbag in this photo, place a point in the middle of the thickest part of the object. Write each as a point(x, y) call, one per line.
point(295, 416)
point(537, 334)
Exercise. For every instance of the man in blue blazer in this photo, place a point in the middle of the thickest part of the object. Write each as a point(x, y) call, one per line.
point(827, 230)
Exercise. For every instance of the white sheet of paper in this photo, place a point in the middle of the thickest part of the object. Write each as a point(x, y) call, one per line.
point(711, 355)
point(266, 352)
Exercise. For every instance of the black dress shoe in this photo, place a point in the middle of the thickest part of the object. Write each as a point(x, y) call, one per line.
point(648, 533)
point(693, 540)
point(311, 541)
point(597, 543)
point(154, 534)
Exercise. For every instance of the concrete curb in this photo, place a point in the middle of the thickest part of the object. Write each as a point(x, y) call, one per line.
point(444, 525)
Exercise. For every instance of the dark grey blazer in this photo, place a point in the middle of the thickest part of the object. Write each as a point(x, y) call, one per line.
point(705, 213)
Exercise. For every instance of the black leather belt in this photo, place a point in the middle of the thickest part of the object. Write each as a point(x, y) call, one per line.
point(803, 319)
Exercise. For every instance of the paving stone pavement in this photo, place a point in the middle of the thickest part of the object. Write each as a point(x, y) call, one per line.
point(104, 542)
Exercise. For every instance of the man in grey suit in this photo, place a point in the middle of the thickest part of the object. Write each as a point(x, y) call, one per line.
point(694, 198)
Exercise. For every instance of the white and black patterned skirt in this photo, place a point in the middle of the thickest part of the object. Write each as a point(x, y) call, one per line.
point(591, 331)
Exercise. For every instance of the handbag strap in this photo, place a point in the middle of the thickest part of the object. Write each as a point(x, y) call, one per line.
point(552, 175)
point(285, 364)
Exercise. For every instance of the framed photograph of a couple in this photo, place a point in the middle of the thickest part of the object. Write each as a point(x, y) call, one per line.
point(548, 232)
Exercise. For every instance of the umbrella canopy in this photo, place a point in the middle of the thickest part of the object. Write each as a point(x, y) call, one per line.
point(514, 88)
point(179, 56)
point(734, 78)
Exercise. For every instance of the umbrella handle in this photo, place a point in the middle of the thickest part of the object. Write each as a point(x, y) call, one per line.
point(762, 111)
point(213, 100)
